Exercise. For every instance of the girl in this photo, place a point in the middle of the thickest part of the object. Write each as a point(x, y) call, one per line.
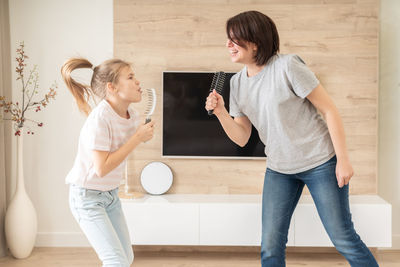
point(280, 96)
point(111, 131)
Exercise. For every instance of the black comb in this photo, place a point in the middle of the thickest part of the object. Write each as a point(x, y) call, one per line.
point(217, 84)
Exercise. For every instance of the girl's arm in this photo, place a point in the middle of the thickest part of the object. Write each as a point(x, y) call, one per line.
point(322, 101)
point(238, 129)
point(105, 161)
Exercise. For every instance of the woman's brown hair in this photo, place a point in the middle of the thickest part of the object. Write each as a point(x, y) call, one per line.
point(257, 28)
point(106, 72)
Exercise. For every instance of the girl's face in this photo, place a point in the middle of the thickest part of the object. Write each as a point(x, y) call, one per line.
point(241, 54)
point(128, 87)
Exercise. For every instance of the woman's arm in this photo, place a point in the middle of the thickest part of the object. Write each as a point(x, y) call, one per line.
point(105, 161)
point(322, 101)
point(238, 129)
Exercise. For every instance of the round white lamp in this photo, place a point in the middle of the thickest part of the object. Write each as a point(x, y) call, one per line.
point(156, 178)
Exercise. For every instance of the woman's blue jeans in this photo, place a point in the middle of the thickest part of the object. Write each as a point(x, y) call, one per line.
point(100, 217)
point(280, 196)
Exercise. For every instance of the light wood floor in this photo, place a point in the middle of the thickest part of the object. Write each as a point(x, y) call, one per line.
point(86, 257)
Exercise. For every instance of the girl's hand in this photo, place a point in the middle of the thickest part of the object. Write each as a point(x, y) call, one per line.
point(344, 172)
point(145, 131)
point(215, 102)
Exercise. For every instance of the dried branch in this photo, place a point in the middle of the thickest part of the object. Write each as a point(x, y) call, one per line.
point(17, 112)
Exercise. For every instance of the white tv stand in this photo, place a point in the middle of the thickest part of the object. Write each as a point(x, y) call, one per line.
point(235, 220)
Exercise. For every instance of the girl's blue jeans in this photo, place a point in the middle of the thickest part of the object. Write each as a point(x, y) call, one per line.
point(100, 217)
point(280, 196)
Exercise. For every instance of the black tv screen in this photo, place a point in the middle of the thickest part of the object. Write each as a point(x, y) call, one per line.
point(188, 131)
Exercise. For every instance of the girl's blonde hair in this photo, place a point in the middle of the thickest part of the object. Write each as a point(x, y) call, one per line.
point(108, 71)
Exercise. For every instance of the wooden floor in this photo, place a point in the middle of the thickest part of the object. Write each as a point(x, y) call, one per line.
point(86, 257)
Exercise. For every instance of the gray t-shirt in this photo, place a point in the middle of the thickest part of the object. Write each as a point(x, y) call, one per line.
point(296, 137)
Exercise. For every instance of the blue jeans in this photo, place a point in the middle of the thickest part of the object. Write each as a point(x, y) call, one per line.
point(100, 217)
point(280, 196)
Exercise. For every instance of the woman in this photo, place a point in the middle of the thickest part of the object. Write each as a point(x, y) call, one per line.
point(280, 96)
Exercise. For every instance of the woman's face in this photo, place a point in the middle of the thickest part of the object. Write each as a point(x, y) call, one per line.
point(241, 54)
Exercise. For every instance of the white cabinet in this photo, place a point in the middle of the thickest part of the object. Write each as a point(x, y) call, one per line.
point(162, 224)
point(230, 224)
point(372, 224)
point(371, 216)
point(308, 229)
point(237, 224)
point(235, 220)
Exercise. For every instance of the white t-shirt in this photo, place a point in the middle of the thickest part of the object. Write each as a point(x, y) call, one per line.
point(103, 130)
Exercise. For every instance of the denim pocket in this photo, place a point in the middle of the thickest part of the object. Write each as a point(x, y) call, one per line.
point(92, 194)
point(86, 202)
point(327, 169)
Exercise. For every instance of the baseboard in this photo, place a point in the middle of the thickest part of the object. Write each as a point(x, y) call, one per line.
point(226, 249)
point(193, 249)
point(61, 239)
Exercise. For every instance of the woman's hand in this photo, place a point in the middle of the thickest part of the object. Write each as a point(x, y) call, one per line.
point(145, 131)
point(238, 129)
point(215, 102)
point(344, 172)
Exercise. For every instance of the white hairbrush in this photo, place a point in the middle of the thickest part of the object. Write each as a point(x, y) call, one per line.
point(151, 104)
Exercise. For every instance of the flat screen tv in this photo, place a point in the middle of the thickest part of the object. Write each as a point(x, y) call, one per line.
point(188, 131)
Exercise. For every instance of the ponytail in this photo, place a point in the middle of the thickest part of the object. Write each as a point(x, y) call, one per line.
point(108, 71)
point(81, 92)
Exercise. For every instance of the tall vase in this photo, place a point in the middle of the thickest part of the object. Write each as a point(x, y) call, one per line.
point(21, 219)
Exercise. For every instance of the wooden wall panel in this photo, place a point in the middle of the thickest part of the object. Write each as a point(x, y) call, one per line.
point(338, 39)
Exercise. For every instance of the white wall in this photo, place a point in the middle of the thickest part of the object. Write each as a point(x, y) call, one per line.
point(54, 30)
point(389, 111)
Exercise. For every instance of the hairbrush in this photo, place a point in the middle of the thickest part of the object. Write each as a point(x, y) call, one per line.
point(217, 84)
point(151, 103)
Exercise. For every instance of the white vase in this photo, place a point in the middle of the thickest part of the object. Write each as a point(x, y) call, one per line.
point(21, 219)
